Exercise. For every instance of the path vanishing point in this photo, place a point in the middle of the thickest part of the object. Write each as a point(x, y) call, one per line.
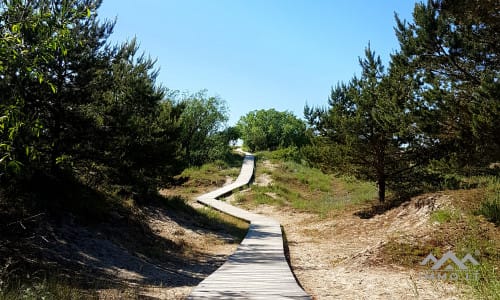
point(258, 269)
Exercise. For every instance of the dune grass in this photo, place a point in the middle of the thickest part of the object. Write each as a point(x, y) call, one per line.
point(469, 225)
point(307, 189)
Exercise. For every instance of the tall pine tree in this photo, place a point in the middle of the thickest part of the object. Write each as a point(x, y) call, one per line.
point(454, 47)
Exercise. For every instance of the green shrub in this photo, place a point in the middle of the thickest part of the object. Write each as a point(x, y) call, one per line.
point(287, 154)
point(490, 208)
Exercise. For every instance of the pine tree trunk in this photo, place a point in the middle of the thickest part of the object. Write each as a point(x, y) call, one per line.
point(381, 174)
point(381, 189)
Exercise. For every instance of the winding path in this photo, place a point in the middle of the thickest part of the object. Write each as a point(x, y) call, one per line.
point(258, 269)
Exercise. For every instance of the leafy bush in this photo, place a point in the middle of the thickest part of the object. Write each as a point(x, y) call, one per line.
point(287, 154)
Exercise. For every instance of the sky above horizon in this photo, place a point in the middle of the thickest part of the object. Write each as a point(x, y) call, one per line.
point(258, 54)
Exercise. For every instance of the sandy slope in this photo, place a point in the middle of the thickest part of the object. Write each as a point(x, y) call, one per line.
point(338, 258)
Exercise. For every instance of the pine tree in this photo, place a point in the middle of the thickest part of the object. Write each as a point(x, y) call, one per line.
point(72, 105)
point(370, 123)
point(453, 46)
point(55, 51)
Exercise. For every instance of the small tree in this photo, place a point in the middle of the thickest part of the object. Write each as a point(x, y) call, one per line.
point(370, 123)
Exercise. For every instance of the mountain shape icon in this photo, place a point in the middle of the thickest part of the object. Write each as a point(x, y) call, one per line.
point(448, 260)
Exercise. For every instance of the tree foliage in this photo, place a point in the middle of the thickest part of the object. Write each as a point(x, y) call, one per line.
point(203, 127)
point(371, 124)
point(271, 129)
point(454, 47)
point(42, 69)
point(74, 106)
point(438, 101)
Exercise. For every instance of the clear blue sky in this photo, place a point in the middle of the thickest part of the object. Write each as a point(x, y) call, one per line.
point(258, 54)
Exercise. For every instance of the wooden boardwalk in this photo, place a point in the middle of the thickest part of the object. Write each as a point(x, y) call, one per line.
point(258, 269)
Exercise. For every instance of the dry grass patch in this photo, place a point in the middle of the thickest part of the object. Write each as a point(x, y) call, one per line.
point(455, 226)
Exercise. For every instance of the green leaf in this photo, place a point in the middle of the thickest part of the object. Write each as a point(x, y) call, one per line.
point(88, 12)
point(52, 87)
point(4, 158)
point(62, 159)
point(15, 166)
point(15, 28)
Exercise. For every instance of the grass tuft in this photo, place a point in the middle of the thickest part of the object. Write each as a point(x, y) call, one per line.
point(490, 207)
point(208, 218)
point(209, 174)
point(47, 288)
point(444, 215)
point(214, 219)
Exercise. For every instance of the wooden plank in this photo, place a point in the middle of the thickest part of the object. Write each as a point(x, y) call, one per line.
point(258, 268)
